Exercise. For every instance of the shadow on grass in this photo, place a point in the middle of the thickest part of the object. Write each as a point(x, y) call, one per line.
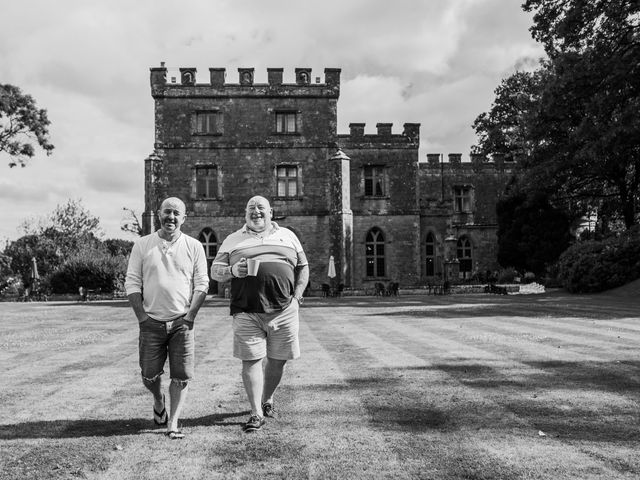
point(120, 303)
point(577, 401)
point(107, 428)
point(528, 306)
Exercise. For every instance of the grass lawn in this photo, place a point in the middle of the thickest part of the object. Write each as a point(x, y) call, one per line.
point(421, 387)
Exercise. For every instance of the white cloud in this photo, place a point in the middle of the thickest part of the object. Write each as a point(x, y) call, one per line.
point(435, 63)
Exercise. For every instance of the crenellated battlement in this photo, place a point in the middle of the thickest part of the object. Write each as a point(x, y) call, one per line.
point(384, 134)
point(476, 162)
point(162, 78)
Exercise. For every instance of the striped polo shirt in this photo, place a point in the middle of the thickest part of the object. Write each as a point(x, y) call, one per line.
point(279, 252)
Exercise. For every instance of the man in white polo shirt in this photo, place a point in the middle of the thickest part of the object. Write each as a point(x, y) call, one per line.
point(264, 303)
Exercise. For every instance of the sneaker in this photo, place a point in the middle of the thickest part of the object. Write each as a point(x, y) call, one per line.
point(268, 410)
point(254, 423)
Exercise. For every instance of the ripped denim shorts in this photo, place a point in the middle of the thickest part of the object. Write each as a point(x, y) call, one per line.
point(158, 340)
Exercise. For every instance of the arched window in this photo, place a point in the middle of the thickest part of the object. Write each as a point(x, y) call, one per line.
point(465, 257)
point(210, 244)
point(374, 252)
point(430, 255)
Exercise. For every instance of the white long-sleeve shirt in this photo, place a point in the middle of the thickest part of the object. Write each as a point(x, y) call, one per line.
point(166, 274)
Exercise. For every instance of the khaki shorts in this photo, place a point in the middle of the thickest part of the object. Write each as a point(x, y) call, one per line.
point(274, 335)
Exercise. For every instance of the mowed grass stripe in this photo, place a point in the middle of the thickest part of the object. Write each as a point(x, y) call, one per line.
point(507, 405)
point(624, 332)
point(334, 406)
point(400, 402)
point(594, 342)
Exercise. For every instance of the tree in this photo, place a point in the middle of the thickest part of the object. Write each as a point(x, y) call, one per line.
point(131, 222)
point(21, 125)
point(531, 232)
point(581, 133)
point(504, 128)
point(71, 219)
point(66, 231)
point(118, 247)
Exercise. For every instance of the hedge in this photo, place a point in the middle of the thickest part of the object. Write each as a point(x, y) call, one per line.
point(598, 265)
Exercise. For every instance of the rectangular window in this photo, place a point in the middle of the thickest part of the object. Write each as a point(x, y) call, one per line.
point(208, 123)
point(206, 182)
point(286, 122)
point(462, 199)
point(287, 178)
point(374, 184)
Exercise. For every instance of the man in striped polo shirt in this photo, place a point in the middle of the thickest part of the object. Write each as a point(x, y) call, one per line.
point(265, 300)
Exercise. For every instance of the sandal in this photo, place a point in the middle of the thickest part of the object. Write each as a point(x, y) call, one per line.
point(175, 434)
point(160, 418)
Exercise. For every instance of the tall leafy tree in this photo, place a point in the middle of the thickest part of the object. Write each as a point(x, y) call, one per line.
point(22, 125)
point(581, 133)
point(504, 129)
point(532, 233)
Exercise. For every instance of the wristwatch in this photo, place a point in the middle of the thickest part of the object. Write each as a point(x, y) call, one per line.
point(300, 299)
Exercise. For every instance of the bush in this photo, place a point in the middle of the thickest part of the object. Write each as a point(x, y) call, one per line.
point(92, 270)
point(595, 266)
point(507, 275)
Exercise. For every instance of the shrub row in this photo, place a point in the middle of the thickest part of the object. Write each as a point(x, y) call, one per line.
point(598, 265)
point(99, 272)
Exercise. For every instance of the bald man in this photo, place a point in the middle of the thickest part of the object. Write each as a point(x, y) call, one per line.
point(167, 282)
point(264, 302)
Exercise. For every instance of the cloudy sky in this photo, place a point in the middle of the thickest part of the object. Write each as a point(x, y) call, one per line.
point(433, 62)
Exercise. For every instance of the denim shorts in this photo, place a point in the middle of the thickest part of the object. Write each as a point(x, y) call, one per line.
point(274, 335)
point(159, 339)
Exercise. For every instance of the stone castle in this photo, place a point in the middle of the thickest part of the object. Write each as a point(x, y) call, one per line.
point(364, 199)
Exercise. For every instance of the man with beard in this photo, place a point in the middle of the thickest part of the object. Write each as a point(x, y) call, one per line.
point(166, 285)
point(269, 272)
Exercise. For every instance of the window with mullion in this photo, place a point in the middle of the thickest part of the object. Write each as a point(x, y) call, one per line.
point(430, 255)
point(206, 182)
point(287, 181)
point(374, 184)
point(208, 123)
point(286, 122)
point(464, 254)
point(374, 253)
point(462, 199)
